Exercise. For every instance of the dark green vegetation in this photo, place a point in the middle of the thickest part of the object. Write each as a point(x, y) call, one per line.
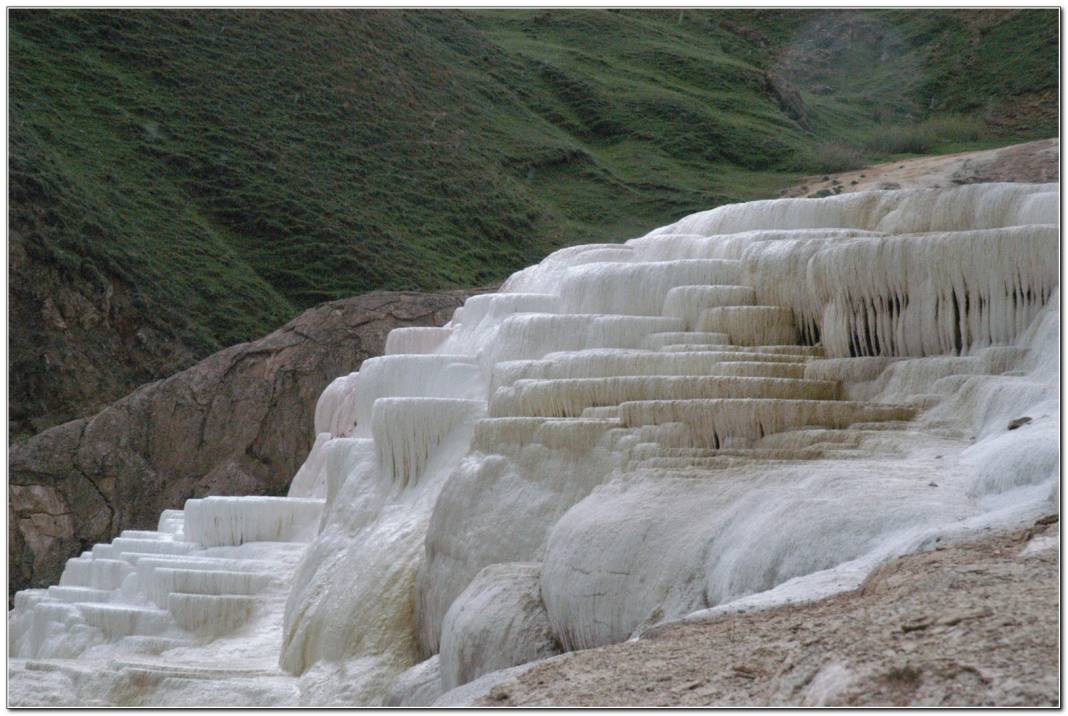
point(227, 169)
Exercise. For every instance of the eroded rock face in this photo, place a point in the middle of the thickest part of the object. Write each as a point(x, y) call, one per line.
point(77, 344)
point(787, 97)
point(237, 423)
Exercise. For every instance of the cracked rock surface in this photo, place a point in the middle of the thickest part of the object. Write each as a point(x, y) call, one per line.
point(237, 423)
point(974, 624)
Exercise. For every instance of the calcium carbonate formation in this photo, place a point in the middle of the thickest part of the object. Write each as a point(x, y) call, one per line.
point(757, 403)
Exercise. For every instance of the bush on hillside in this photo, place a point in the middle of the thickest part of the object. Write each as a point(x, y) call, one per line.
point(922, 136)
point(837, 157)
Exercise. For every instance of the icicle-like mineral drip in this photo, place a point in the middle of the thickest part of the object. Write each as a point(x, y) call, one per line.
point(407, 430)
point(412, 376)
point(638, 289)
point(335, 411)
point(933, 294)
point(309, 480)
point(216, 521)
point(482, 317)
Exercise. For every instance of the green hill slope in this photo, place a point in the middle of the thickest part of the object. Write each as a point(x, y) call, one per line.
point(184, 180)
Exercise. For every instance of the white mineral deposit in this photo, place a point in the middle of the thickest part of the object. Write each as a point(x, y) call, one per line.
point(756, 403)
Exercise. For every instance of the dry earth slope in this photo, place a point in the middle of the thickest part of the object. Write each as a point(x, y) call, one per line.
point(1030, 162)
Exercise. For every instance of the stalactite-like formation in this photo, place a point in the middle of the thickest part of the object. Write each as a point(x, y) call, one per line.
point(407, 430)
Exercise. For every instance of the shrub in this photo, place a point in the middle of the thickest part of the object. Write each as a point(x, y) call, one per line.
point(899, 140)
point(830, 157)
point(949, 128)
point(920, 137)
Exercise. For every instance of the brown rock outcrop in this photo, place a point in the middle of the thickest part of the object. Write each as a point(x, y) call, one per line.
point(237, 423)
point(77, 344)
point(788, 98)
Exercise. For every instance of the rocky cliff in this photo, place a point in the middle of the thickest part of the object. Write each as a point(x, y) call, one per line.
point(238, 422)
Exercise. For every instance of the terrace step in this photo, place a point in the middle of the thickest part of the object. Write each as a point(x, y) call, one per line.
point(210, 614)
point(122, 620)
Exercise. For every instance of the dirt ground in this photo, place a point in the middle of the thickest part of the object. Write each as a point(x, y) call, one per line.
point(973, 624)
point(1033, 162)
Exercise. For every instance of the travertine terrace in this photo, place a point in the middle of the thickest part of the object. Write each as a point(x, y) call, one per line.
point(760, 402)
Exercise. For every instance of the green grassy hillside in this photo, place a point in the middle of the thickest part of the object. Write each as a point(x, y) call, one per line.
point(229, 168)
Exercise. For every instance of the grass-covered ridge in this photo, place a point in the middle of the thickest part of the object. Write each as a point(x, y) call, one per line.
point(235, 167)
